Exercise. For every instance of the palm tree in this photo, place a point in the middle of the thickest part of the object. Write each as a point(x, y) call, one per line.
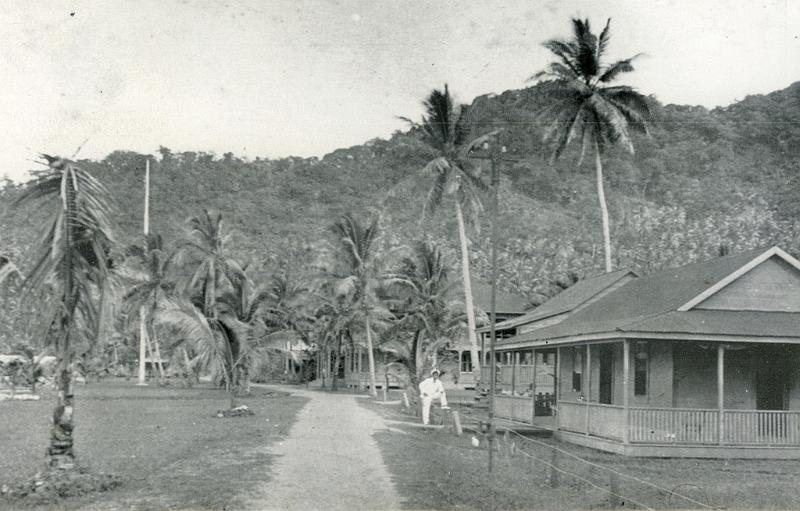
point(73, 256)
point(205, 252)
point(287, 306)
point(586, 108)
point(422, 291)
point(357, 277)
point(153, 288)
point(444, 132)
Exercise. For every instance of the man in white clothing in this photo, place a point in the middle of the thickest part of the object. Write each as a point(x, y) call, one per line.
point(430, 389)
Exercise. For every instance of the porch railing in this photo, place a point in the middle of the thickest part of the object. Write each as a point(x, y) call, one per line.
point(685, 426)
point(515, 408)
point(607, 421)
point(674, 425)
point(762, 427)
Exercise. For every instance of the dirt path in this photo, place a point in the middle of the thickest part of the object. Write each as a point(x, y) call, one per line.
point(329, 460)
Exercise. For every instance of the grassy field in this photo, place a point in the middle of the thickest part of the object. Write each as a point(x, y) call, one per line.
point(434, 469)
point(165, 443)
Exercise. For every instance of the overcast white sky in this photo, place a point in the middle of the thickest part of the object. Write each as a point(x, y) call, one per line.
point(277, 78)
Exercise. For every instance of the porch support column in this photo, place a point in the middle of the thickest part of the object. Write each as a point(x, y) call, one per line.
point(557, 385)
point(721, 393)
point(514, 361)
point(533, 385)
point(626, 391)
point(588, 397)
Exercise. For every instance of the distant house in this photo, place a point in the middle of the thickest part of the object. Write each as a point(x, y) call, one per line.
point(698, 361)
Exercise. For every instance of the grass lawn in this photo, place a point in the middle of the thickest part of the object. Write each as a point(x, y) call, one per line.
point(434, 469)
point(165, 443)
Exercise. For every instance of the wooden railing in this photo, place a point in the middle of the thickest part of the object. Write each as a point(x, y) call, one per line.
point(761, 427)
point(607, 421)
point(674, 425)
point(686, 426)
point(571, 416)
point(514, 408)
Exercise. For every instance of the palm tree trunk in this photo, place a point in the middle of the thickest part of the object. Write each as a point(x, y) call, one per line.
point(470, 309)
point(336, 363)
point(601, 195)
point(60, 453)
point(371, 356)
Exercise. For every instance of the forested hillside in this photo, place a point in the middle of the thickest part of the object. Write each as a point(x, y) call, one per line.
point(700, 181)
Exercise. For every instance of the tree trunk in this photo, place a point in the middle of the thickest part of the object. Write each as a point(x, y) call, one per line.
point(601, 195)
point(60, 452)
point(336, 363)
point(470, 309)
point(371, 356)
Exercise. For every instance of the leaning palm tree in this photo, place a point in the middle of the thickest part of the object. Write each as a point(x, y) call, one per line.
point(356, 278)
point(73, 260)
point(586, 108)
point(444, 132)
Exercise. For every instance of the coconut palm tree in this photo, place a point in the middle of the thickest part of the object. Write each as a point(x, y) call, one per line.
point(205, 252)
point(422, 289)
point(72, 258)
point(152, 287)
point(444, 132)
point(586, 108)
point(356, 278)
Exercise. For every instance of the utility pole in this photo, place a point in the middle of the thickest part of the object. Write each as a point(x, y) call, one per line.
point(146, 230)
point(495, 156)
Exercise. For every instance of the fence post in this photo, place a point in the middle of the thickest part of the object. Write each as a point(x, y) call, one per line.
point(613, 497)
point(554, 479)
point(457, 423)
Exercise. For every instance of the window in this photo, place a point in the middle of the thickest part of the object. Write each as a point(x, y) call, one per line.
point(641, 358)
point(577, 368)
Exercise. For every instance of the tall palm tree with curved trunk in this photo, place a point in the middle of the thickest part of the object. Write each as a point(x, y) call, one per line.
point(357, 277)
point(73, 259)
point(444, 132)
point(586, 108)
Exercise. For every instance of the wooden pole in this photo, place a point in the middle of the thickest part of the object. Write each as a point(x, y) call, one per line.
point(556, 384)
point(533, 386)
point(721, 393)
point(626, 393)
point(514, 355)
point(142, 320)
point(588, 395)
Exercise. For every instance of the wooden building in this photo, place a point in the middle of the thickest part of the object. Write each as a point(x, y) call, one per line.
point(697, 361)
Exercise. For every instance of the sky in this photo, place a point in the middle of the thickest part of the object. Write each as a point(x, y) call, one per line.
point(274, 78)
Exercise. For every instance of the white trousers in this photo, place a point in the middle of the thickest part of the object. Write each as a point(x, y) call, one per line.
point(426, 406)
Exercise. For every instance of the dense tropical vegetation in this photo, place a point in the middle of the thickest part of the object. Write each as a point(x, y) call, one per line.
point(331, 254)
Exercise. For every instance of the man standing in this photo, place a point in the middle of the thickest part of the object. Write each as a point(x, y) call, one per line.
point(430, 389)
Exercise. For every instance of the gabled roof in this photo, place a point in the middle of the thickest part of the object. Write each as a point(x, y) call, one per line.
point(569, 299)
point(505, 303)
point(656, 302)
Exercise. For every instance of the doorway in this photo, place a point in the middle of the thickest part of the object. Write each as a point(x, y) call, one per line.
point(771, 379)
point(606, 358)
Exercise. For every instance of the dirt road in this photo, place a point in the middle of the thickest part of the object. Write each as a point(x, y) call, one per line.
point(329, 460)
